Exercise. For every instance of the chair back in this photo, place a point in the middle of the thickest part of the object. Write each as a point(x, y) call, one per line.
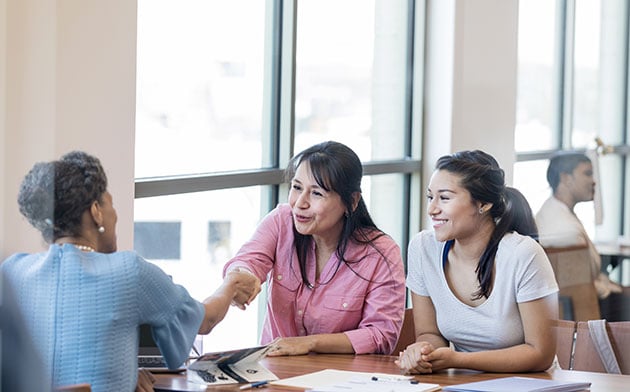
point(565, 337)
point(586, 355)
point(572, 268)
point(578, 347)
point(407, 333)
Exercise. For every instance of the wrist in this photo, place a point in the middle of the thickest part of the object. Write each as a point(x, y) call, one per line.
point(242, 269)
point(458, 358)
point(312, 342)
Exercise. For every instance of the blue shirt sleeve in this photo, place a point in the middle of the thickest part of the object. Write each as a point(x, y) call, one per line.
point(174, 316)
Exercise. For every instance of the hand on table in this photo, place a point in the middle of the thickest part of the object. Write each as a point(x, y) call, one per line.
point(415, 358)
point(145, 381)
point(298, 345)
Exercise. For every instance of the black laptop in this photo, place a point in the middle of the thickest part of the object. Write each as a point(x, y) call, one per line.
point(149, 355)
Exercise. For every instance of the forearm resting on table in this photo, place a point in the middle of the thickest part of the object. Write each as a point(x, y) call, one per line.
point(337, 343)
point(521, 358)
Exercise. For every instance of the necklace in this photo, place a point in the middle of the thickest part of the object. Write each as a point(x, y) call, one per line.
point(84, 248)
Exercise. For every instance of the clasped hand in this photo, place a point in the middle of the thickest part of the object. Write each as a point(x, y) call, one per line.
point(247, 287)
point(422, 357)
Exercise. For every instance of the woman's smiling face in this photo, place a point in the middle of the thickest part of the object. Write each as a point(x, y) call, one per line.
point(316, 211)
point(453, 213)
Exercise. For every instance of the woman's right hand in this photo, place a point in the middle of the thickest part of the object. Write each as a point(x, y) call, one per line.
point(246, 285)
point(411, 360)
point(145, 380)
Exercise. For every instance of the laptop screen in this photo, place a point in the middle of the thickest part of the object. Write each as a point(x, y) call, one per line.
point(147, 345)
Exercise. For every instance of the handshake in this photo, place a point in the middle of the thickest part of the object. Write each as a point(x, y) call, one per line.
point(245, 284)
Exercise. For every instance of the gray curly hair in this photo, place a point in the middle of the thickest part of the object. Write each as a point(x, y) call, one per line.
point(54, 195)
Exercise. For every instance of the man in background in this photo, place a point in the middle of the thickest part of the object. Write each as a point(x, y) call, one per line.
point(570, 175)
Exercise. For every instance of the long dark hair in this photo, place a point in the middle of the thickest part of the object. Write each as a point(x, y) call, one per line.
point(480, 174)
point(54, 195)
point(520, 212)
point(336, 168)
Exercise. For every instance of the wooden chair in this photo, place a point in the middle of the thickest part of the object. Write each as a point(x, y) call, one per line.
point(407, 333)
point(565, 340)
point(576, 348)
point(585, 355)
point(74, 388)
point(572, 267)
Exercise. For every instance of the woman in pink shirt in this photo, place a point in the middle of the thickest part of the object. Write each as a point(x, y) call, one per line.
point(336, 282)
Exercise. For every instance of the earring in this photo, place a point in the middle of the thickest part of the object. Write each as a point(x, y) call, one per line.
point(481, 211)
point(101, 229)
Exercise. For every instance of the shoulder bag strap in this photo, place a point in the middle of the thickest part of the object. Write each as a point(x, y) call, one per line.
point(597, 329)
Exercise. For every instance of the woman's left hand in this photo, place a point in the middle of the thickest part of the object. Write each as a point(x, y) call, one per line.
point(441, 358)
point(298, 345)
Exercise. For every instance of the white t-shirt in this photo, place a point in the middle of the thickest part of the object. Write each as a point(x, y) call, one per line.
point(523, 273)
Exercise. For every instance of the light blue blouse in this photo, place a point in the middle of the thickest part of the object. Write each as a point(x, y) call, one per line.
point(83, 311)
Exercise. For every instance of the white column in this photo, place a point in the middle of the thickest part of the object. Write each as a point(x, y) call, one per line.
point(470, 81)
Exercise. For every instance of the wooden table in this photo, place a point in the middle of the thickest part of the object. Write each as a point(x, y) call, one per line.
point(285, 367)
point(613, 254)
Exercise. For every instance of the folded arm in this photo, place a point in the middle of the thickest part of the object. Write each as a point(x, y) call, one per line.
point(431, 353)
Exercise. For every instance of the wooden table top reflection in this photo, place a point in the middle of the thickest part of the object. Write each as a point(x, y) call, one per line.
point(285, 367)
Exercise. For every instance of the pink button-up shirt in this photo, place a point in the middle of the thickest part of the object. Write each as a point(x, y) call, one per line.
point(365, 298)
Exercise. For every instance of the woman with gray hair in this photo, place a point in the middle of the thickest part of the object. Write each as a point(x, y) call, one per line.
point(83, 301)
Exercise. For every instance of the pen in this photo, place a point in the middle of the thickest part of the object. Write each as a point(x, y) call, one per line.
point(256, 384)
point(395, 380)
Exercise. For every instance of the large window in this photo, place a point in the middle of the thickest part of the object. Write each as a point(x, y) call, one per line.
point(573, 88)
point(229, 90)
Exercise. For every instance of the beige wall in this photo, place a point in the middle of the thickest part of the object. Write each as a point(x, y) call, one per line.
point(3, 89)
point(69, 71)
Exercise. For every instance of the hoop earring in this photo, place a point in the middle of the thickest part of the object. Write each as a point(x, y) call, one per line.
point(101, 229)
point(481, 211)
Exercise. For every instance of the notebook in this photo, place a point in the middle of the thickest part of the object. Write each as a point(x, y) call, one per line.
point(234, 366)
point(149, 355)
point(519, 384)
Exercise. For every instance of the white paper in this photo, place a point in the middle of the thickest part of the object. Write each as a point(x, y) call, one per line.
point(332, 380)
